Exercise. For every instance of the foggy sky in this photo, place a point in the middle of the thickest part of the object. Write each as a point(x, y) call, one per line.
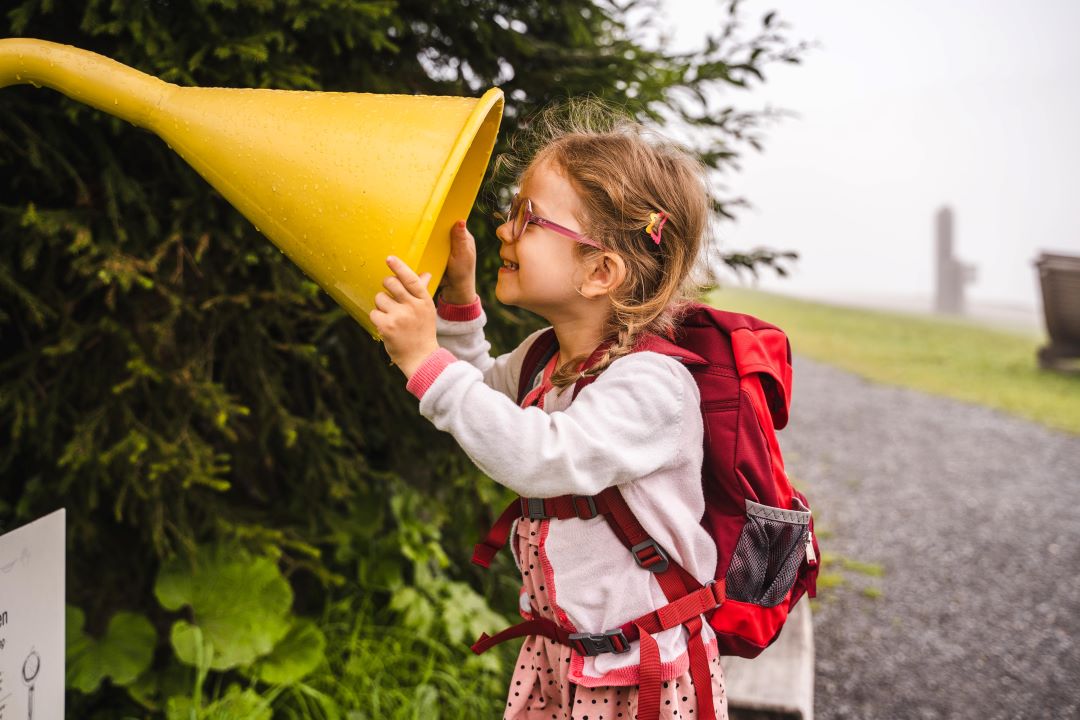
point(906, 107)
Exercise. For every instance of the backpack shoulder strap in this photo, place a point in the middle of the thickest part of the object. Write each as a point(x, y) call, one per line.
point(657, 344)
point(650, 343)
point(536, 357)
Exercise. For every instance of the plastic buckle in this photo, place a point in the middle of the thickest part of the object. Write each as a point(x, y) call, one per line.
point(655, 561)
point(612, 641)
point(718, 592)
point(590, 505)
point(533, 508)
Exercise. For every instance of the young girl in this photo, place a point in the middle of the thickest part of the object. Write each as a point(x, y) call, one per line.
point(600, 241)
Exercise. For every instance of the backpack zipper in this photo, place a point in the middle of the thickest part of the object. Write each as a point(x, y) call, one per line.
point(811, 556)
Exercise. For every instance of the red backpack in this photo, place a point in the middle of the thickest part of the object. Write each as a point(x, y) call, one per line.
point(766, 550)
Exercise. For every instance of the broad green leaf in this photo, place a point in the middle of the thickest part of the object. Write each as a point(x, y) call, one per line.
point(238, 705)
point(239, 603)
point(122, 655)
point(296, 656)
point(155, 686)
point(416, 610)
point(465, 613)
point(235, 705)
point(189, 644)
point(180, 707)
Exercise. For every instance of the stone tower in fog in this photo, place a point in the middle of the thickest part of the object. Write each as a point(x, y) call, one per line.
point(952, 275)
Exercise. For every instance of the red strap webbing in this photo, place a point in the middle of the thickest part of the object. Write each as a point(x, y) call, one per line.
point(536, 357)
point(537, 626)
point(678, 613)
point(497, 537)
point(648, 679)
point(699, 670)
point(562, 507)
point(685, 611)
point(686, 601)
point(691, 606)
point(649, 676)
point(610, 503)
point(674, 581)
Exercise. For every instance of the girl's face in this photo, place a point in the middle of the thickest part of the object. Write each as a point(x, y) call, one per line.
point(538, 272)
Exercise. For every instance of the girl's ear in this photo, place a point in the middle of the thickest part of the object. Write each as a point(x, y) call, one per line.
point(603, 274)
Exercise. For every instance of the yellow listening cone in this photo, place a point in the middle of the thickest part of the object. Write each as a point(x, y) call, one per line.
point(338, 181)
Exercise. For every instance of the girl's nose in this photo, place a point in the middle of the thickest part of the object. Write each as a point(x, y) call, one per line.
point(504, 233)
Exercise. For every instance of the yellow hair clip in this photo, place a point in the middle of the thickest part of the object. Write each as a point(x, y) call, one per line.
point(656, 220)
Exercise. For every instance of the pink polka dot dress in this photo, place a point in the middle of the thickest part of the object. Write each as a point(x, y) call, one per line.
point(540, 688)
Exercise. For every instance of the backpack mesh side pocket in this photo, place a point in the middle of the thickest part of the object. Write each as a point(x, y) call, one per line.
point(771, 548)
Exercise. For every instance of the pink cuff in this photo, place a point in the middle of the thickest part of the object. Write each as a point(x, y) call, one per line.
point(428, 371)
point(458, 313)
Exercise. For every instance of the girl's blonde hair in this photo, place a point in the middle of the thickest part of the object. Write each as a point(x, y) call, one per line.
point(622, 173)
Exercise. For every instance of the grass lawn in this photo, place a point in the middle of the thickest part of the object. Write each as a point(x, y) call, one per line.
point(990, 367)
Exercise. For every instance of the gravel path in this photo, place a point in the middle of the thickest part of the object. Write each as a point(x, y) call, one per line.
point(974, 515)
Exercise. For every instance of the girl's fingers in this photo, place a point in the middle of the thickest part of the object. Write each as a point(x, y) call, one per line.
point(459, 233)
point(395, 288)
point(383, 302)
point(461, 241)
point(407, 277)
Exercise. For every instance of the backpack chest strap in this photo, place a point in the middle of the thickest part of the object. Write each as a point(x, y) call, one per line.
point(563, 507)
point(618, 639)
point(685, 611)
point(610, 504)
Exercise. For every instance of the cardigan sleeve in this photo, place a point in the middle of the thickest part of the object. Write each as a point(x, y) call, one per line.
point(622, 427)
point(460, 329)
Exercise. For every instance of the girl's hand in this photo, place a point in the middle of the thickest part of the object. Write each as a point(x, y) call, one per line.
point(459, 282)
point(404, 316)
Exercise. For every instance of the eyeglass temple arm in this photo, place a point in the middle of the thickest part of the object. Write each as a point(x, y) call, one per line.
point(543, 222)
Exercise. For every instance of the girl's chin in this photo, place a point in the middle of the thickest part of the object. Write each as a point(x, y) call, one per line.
point(506, 297)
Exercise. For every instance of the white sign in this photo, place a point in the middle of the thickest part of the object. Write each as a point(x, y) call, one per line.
point(32, 620)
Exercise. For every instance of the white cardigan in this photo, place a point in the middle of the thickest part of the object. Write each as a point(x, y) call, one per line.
point(637, 426)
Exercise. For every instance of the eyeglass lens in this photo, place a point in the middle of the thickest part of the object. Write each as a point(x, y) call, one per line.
point(517, 216)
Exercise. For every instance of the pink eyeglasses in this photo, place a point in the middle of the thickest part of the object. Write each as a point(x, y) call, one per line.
point(521, 214)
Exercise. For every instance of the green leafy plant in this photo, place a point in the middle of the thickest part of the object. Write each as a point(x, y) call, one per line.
point(381, 668)
point(204, 410)
point(296, 656)
point(236, 704)
point(121, 655)
point(239, 604)
point(240, 609)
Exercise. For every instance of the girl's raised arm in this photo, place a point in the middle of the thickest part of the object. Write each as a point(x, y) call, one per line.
point(626, 425)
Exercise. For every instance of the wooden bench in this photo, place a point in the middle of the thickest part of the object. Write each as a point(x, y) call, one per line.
point(1059, 277)
point(778, 683)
